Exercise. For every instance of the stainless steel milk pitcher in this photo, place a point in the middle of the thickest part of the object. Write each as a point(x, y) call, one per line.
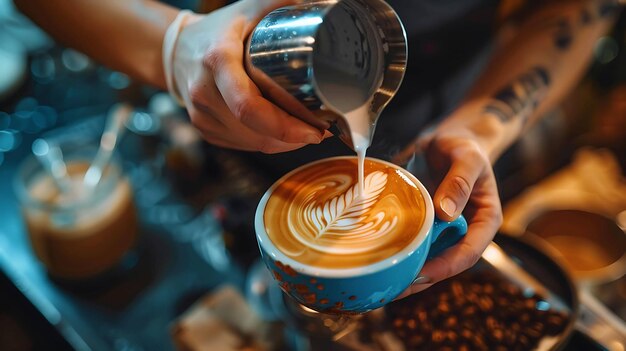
point(319, 60)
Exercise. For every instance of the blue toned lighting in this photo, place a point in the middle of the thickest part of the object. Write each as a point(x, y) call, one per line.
point(302, 22)
point(542, 306)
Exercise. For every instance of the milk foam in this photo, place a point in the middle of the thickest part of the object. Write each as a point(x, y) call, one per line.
point(318, 217)
point(344, 224)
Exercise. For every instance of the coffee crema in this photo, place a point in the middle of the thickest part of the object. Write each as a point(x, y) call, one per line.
point(318, 217)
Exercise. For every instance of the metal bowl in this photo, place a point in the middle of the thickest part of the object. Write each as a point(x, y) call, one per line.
point(593, 247)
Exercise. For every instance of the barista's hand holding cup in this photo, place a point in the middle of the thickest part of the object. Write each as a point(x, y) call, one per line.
point(335, 249)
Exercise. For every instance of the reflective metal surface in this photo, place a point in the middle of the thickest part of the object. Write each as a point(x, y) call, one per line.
point(321, 59)
point(592, 246)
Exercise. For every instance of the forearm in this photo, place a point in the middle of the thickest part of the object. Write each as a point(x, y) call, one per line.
point(125, 35)
point(530, 73)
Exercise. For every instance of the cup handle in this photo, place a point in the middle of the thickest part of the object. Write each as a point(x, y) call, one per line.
point(446, 234)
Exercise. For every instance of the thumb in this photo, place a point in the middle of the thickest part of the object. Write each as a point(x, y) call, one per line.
point(456, 187)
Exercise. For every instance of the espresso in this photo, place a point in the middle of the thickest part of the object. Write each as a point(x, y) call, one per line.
point(75, 238)
point(318, 217)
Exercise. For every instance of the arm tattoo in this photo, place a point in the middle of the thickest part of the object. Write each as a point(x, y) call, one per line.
point(607, 8)
point(520, 98)
point(600, 10)
point(563, 37)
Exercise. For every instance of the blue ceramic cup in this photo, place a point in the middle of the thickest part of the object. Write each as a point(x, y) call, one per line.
point(360, 289)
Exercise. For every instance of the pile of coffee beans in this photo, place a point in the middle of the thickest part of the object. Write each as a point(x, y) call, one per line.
point(474, 311)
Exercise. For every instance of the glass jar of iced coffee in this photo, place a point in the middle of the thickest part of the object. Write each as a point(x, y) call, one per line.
point(77, 233)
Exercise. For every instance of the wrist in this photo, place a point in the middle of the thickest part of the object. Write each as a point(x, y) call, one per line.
point(170, 39)
point(492, 134)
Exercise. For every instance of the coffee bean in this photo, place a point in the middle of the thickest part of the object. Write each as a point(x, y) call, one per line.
point(411, 324)
point(530, 304)
point(485, 304)
point(474, 312)
point(476, 288)
point(488, 289)
point(512, 289)
point(452, 322)
point(472, 297)
point(457, 290)
point(438, 336)
point(469, 311)
point(497, 335)
point(492, 323)
point(422, 316)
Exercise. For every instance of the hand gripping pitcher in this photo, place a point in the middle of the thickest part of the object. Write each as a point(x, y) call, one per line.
point(330, 62)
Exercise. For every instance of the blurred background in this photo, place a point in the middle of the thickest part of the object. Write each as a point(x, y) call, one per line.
point(563, 184)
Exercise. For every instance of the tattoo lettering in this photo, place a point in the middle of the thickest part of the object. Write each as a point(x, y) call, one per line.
point(600, 10)
point(597, 11)
point(563, 37)
point(520, 98)
point(607, 8)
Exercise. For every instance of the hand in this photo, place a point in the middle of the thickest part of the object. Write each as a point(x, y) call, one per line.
point(459, 163)
point(222, 101)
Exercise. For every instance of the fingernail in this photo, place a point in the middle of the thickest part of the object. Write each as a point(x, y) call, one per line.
point(312, 139)
point(421, 279)
point(448, 206)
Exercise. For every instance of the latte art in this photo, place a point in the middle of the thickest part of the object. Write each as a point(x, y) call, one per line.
point(319, 217)
point(343, 224)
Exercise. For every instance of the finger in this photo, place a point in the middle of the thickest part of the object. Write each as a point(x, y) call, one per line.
point(246, 103)
point(205, 105)
point(456, 187)
point(413, 289)
point(261, 144)
point(484, 221)
point(205, 119)
point(218, 129)
point(240, 137)
point(484, 217)
point(456, 259)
